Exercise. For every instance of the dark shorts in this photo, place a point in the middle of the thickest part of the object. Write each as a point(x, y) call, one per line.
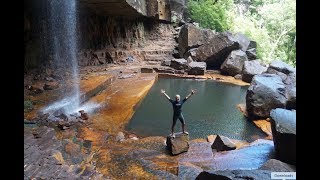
point(176, 117)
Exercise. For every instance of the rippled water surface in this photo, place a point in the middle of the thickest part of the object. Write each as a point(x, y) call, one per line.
point(212, 110)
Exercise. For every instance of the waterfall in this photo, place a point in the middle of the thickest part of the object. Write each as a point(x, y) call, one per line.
point(62, 35)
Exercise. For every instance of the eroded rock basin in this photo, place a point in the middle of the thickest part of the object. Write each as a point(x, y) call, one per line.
point(90, 149)
point(212, 110)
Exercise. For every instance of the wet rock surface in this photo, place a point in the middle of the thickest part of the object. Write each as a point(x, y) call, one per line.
point(251, 54)
point(222, 143)
point(290, 82)
point(266, 92)
point(179, 64)
point(281, 67)
point(233, 65)
point(51, 85)
point(197, 68)
point(252, 68)
point(235, 174)
point(45, 157)
point(188, 171)
point(283, 124)
point(277, 166)
point(252, 157)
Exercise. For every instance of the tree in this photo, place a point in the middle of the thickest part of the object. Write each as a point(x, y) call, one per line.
point(271, 23)
point(211, 14)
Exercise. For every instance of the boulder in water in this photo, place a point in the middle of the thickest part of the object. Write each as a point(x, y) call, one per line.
point(222, 143)
point(283, 125)
point(266, 92)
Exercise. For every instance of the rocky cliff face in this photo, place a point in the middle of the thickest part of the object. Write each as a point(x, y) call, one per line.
point(108, 26)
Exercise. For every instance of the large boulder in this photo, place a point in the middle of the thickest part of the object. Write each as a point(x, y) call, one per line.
point(216, 50)
point(197, 68)
point(252, 54)
point(282, 67)
point(179, 64)
point(190, 53)
point(277, 166)
point(234, 63)
point(243, 41)
point(290, 82)
point(282, 75)
point(222, 143)
point(283, 125)
point(251, 68)
point(290, 79)
point(179, 144)
point(291, 97)
point(190, 36)
point(266, 92)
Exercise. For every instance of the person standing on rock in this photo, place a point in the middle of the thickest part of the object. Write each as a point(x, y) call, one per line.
point(177, 110)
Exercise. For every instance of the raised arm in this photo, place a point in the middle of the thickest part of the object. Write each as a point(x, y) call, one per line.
point(192, 92)
point(164, 92)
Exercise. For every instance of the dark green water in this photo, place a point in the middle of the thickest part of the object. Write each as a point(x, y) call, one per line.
point(212, 110)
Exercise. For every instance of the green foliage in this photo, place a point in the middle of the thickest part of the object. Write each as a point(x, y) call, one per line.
point(271, 23)
point(210, 14)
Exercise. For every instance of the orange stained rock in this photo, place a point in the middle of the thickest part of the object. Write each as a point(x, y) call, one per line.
point(120, 100)
point(265, 126)
point(93, 82)
point(50, 96)
point(95, 136)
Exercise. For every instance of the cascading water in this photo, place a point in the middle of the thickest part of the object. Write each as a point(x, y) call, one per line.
point(62, 35)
